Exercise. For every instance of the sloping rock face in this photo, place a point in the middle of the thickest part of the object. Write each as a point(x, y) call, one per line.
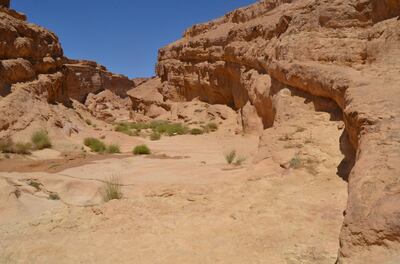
point(345, 51)
point(32, 85)
point(38, 84)
point(84, 77)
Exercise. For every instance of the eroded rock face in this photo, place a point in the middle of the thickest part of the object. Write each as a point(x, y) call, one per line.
point(345, 51)
point(84, 77)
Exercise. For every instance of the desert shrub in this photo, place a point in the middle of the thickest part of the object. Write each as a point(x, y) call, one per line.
point(155, 136)
point(22, 148)
point(170, 129)
point(40, 140)
point(196, 131)
point(240, 160)
point(295, 162)
point(141, 150)
point(113, 149)
point(112, 189)
point(54, 196)
point(210, 127)
point(95, 144)
point(88, 122)
point(230, 157)
point(7, 146)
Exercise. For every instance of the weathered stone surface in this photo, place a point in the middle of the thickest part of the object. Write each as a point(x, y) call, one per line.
point(5, 3)
point(346, 51)
point(84, 77)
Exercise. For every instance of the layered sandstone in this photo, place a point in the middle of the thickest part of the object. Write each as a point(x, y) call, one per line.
point(345, 51)
point(85, 77)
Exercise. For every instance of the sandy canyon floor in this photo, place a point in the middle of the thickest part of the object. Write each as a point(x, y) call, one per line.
point(183, 203)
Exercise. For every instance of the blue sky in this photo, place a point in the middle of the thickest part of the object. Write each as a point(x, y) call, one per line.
point(123, 35)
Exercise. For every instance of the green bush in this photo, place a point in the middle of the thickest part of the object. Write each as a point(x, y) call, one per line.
point(240, 160)
point(155, 136)
point(211, 127)
point(113, 149)
point(7, 145)
point(54, 196)
point(95, 144)
point(230, 157)
point(112, 190)
point(40, 140)
point(141, 150)
point(196, 131)
point(296, 162)
point(22, 148)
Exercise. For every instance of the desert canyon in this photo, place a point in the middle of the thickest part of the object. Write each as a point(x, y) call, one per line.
point(269, 135)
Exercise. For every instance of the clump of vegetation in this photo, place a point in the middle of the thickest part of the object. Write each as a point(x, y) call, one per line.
point(113, 149)
point(141, 150)
point(155, 136)
point(240, 160)
point(196, 131)
point(230, 157)
point(296, 162)
point(34, 184)
point(95, 144)
point(8, 146)
point(40, 140)
point(169, 129)
point(112, 189)
point(23, 148)
point(160, 127)
point(88, 122)
point(210, 127)
point(54, 196)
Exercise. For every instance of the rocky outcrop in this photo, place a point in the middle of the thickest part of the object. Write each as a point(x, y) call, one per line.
point(84, 77)
point(32, 75)
point(345, 51)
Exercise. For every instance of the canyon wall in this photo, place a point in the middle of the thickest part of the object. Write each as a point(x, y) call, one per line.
point(38, 84)
point(346, 51)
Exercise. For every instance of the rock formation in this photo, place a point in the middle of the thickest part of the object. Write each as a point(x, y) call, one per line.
point(38, 84)
point(345, 51)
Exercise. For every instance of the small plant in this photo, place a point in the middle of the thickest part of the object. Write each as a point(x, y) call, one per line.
point(196, 131)
point(112, 189)
point(300, 129)
point(240, 160)
point(141, 150)
point(210, 127)
point(230, 157)
point(95, 144)
point(7, 145)
point(22, 148)
point(113, 149)
point(88, 122)
point(40, 140)
point(54, 196)
point(155, 136)
point(34, 184)
point(295, 162)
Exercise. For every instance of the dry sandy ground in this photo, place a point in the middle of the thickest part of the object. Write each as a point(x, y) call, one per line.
point(184, 204)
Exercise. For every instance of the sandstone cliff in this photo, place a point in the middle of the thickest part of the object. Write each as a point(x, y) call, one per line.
point(345, 51)
point(38, 84)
